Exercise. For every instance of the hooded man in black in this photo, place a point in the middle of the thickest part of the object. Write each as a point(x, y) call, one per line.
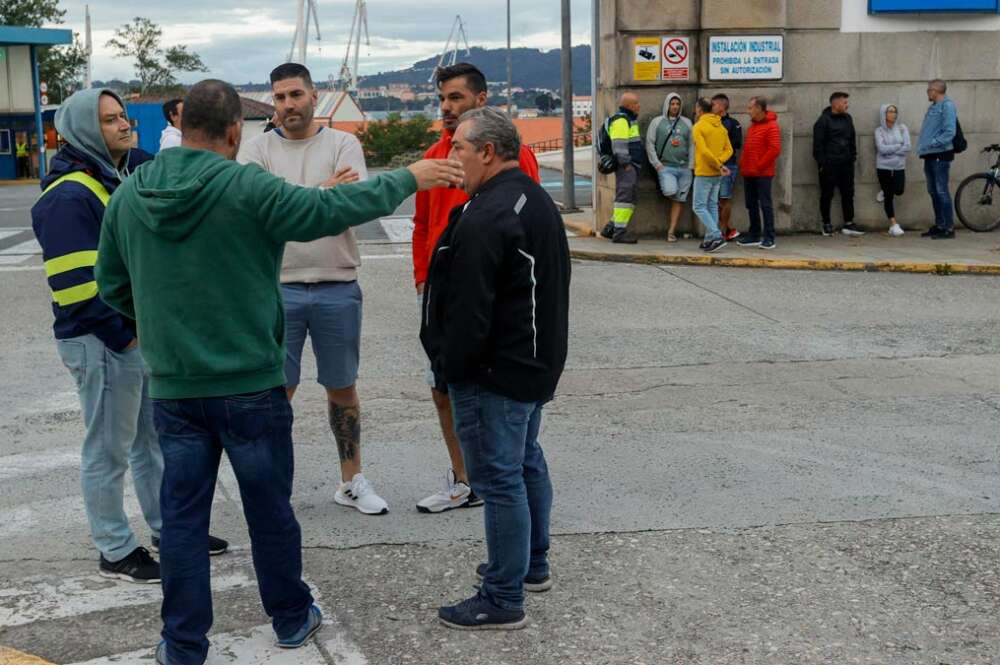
point(835, 148)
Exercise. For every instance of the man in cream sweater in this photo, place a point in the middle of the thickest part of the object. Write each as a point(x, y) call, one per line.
point(319, 279)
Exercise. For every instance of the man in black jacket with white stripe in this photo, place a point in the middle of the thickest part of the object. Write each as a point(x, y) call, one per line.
point(495, 326)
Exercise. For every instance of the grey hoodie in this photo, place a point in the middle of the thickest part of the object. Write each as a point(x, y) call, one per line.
point(78, 121)
point(891, 145)
point(681, 156)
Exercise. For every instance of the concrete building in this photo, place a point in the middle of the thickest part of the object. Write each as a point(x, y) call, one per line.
point(582, 106)
point(821, 46)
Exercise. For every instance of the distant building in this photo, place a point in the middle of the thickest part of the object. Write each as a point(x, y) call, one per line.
point(582, 106)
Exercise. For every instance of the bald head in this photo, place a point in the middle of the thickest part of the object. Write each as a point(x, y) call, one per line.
point(629, 101)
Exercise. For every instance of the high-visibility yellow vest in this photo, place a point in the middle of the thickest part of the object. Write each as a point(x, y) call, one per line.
point(22, 149)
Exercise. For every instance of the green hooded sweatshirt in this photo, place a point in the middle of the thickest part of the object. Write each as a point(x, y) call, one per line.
point(191, 249)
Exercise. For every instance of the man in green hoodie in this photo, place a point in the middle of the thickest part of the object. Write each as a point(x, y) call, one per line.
point(191, 248)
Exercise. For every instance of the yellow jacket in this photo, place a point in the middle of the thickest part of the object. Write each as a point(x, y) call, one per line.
point(711, 145)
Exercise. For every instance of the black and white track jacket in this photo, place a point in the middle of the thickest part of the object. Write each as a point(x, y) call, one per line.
point(496, 302)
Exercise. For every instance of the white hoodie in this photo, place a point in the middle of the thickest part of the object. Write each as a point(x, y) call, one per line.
point(170, 137)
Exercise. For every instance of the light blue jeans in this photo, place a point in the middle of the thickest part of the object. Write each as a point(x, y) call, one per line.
point(706, 204)
point(118, 414)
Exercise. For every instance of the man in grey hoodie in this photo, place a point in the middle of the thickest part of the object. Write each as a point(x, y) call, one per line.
point(669, 150)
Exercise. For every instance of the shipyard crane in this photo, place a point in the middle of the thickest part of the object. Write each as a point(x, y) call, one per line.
point(450, 53)
point(300, 41)
point(348, 78)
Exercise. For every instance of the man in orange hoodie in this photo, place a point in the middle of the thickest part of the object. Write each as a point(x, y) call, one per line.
point(760, 152)
point(461, 88)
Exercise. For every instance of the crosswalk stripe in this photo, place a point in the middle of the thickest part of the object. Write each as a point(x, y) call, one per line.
point(398, 228)
point(7, 233)
point(24, 248)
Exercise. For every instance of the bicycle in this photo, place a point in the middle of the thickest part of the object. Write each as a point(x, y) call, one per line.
point(977, 200)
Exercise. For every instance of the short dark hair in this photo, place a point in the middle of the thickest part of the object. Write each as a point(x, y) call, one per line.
point(291, 70)
point(760, 102)
point(704, 105)
point(838, 95)
point(170, 108)
point(721, 98)
point(474, 78)
point(210, 108)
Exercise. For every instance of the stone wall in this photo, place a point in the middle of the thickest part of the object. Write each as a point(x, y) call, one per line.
point(875, 68)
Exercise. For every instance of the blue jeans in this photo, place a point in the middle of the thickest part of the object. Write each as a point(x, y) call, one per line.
point(255, 430)
point(706, 204)
point(118, 414)
point(757, 192)
point(330, 312)
point(499, 439)
point(937, 171)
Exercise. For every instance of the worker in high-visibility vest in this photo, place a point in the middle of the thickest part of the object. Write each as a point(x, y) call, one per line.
point(97, 344)
point(23, 157)
point(629, 154)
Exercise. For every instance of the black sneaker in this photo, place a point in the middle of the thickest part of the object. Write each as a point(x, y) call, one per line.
point(608, 231)
point(851, 229)
point(138, 567)
point(622, 237)
point(474, 499)
point(932, 232)
point(767, 244)
point(748, 241)
point(944, 234)
point(478, 613)
point(532, 583)
point(714, 245)
point(827, 229)
point(216, 546)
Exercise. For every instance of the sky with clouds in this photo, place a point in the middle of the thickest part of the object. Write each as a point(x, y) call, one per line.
point(242, 40)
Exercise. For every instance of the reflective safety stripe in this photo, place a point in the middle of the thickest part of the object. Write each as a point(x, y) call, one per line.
point(87, 181)
point(75, 294)
point(622, 215)
point(621, 130)
point(59, 265)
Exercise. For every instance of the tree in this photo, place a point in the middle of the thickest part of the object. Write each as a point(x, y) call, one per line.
point(154, 66)
point(384, 140)
point(543, 103)
point(59, 66)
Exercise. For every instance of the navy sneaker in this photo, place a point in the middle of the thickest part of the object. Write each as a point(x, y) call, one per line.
point(714, 245)
point(161, 653)
point(313, 623)
point(944, 234)
point(478, 613)
point(748, 241)
point(767, 244)
point(216, 546)
point(532, 583)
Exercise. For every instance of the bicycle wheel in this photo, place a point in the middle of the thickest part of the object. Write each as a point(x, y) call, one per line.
point(977, 202)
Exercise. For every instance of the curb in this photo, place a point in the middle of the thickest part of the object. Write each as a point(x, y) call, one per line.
point(788, 264)
point(11, 657)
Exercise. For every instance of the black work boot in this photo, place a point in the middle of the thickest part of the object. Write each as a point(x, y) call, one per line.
point(608, 231)
point(622, 237)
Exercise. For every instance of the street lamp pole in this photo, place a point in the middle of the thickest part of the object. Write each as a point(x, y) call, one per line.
point(569, 176)
point(510, 67)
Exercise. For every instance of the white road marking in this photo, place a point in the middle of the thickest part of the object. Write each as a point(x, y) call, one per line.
point(7, 233)
point(376, 257)
point(26, 248)
point(25, 464)
point(45, 599)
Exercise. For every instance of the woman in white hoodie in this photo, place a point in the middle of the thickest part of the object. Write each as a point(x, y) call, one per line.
point(892, 144)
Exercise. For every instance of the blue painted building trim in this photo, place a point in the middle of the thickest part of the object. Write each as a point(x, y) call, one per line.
point(17, 36)
point(933, 6)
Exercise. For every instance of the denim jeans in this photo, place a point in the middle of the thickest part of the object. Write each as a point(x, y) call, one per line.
point(706, 204)
point(675, 182)
point(256, 433)
point(757, 192)
point(118, 414)
point(936, 172)
point(499, 439)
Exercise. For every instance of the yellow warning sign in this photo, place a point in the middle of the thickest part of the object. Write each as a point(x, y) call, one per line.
point(646, 63)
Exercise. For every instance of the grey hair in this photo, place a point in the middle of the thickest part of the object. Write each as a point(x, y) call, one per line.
point(488, 125)
point(938, 85)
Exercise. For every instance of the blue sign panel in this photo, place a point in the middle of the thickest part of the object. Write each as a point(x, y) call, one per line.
point(901, 6)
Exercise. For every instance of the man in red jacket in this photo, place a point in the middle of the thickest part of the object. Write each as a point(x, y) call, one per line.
point(760, 152)
point(461, 88)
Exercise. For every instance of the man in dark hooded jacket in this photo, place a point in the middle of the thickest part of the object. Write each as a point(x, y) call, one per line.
point(97, 344)
point(835, 148)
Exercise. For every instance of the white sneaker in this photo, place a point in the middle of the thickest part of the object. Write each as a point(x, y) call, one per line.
point(895, 230)
point(360, 494)
point(454, 494)
point(880, 197)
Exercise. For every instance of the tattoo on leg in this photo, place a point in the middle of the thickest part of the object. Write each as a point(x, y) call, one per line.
point(345, 421)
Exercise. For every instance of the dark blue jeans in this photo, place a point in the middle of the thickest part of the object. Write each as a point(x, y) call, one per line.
point(256, 432)
point(499, 438)
point(757, 192)
point(936, 172)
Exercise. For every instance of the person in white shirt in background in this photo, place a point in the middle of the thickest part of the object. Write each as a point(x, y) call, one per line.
point(319, 279)
point(170, 137)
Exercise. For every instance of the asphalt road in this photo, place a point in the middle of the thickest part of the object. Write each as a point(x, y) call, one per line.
point(750, 467)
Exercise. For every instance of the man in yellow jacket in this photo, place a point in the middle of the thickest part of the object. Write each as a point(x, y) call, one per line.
point(711, 150)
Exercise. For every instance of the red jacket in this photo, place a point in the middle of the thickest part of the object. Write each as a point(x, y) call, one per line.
point(761, 147)
point(434, 206)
